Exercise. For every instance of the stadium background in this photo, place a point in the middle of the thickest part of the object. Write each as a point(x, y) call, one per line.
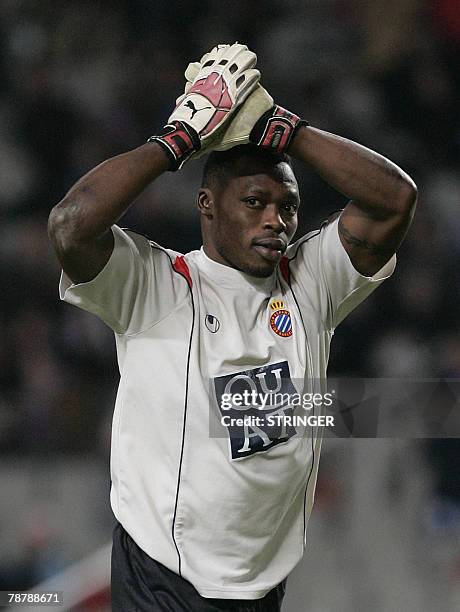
point(85, 80)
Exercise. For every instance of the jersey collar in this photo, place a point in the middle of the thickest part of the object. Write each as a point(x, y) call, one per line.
point(231, 277)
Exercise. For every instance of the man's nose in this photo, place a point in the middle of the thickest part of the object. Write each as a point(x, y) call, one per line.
point(273, 219)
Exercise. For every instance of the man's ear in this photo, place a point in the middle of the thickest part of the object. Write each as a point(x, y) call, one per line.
point(205, 202)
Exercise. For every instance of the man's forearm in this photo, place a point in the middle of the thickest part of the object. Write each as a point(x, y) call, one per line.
point(369, 179)
point(101, 197)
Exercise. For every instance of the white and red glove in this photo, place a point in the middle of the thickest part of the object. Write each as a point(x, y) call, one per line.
point(241, 124)
point(216, 87)
point(258, 121)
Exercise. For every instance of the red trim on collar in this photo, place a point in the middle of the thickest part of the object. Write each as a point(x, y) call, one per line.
point(284, 268)
point(180, 266)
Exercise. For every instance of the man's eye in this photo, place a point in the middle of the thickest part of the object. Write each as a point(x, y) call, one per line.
point(289, 207)
point(252, 201)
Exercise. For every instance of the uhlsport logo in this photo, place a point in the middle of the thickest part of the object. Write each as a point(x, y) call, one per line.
point(212, 323)
point(280, 320)
point(263, 426)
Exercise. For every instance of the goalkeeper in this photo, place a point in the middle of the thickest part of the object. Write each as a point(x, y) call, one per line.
point(216, 521)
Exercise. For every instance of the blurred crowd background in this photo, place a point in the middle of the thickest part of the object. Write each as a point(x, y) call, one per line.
point(85, 80)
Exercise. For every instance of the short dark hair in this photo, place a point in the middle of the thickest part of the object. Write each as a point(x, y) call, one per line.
point(221, 166)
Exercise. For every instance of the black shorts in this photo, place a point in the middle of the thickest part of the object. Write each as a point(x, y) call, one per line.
point(141, 584)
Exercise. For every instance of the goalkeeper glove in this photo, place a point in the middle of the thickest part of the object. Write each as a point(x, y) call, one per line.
point(258, 121)
point(275, 129)
point(225, 78)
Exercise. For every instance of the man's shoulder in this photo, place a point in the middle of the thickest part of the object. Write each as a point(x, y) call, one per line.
point(160, 262)
point(300, 246)
point(146, 245)
point(310, 240)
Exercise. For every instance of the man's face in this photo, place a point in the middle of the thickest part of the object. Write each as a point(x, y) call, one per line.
point(254, 217)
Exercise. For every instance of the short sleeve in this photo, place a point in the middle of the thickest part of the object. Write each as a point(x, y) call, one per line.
point(136, 288)
point(321, 266)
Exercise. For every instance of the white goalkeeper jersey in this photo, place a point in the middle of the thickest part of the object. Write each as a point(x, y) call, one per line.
point(222, 503)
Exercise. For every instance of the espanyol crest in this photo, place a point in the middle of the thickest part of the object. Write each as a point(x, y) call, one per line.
point(280, 320)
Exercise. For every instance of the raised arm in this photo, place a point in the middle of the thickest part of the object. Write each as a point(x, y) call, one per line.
point(79, 226)
point(382, 196)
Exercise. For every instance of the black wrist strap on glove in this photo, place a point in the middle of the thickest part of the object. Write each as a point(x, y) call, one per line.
point(179, 141)
point(275, 129)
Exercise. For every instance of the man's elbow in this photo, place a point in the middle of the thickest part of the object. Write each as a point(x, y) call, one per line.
point(62, 226)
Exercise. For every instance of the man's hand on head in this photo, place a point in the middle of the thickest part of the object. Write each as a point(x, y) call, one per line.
point(216, 86)
point(258, 120)
point(242, 123)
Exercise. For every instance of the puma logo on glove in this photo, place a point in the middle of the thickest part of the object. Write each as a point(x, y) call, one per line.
point(194, 110)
